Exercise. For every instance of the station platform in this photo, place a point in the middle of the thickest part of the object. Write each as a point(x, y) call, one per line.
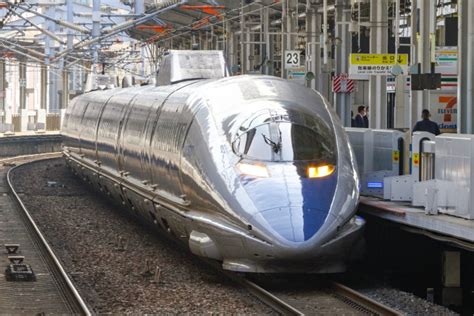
point(29, 143)
point(446, 228)
point(29, 133)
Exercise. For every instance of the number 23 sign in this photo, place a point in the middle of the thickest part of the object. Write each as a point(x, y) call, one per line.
point(292, 59)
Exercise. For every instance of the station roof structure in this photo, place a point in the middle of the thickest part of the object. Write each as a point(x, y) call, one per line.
point(66, 32)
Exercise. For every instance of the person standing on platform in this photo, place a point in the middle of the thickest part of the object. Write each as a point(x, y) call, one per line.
point(360, 118)
point(366, 117)
point(425, 125)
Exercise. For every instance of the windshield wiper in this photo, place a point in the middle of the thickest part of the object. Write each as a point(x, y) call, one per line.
point(276, 147)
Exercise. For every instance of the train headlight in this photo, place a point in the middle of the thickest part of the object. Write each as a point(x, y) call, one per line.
point(320, 171)
point(259, 171)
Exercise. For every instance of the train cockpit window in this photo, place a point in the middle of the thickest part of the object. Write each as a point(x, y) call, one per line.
point(286, 141)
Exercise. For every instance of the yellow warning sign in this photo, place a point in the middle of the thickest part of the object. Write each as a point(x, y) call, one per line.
point(416, 159)
point(396, 156)
point(379, 59)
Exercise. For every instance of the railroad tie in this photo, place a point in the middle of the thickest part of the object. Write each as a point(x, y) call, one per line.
point(12, 248)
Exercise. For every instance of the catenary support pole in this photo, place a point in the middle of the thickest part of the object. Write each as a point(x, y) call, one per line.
point(465, 67)
point(2, 90)
point(378, 45)
point(313, 47)
point(44, 87)
point(289, 28)
point(343, 49)
point(22, 81)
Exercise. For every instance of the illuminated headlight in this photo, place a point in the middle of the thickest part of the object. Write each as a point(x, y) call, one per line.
point(320, 171)
point(259, 171)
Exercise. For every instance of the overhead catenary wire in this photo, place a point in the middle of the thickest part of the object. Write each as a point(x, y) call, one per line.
point(187, 30)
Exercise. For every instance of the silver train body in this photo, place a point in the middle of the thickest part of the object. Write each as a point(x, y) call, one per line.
point(253, 171)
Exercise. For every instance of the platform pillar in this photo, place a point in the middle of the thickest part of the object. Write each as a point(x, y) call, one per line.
point(244, 39)
point(402, 107)
point(451, 279)
point(268, 39)
point(22, 81)
point(40, 119)
point(414, 110)
point(9, 108)
point(250, 47)
point(62, 114)
point(65, 89)
point(289, 28)
point(53, 104)
point(378, 45)
point(465, 71)
point(231, 51)
point(23, 111)
point(422, 39)
point(24, 119)
point(343, 50)
point(41, 112)
point(313, 47)
point(2, 91)
point(49, 50)
point(44, 87)
point(214, 39)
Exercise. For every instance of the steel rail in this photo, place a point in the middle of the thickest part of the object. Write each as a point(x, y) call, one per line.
point(256, 290)
point(263, 295)
point(65, 284)
point(364, 301)
point(349, 295)
point(269, 299)
point(346, 294)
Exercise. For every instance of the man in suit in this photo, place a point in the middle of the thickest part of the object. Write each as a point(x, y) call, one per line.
point(425, 125)
point(360, 118)
point(366, 118)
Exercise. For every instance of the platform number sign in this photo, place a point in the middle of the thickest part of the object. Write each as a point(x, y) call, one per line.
point(292, 59)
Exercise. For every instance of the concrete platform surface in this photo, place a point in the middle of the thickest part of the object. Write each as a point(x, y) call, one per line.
point(29, 133)
point(29, 143)
point(403, 213)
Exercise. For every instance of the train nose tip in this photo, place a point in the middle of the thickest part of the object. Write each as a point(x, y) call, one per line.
point(295, 224)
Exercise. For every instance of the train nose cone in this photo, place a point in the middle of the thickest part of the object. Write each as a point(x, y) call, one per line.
point(296, 224)
point(290, 204)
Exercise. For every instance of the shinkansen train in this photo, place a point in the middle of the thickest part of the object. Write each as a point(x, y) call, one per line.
point(253, 171)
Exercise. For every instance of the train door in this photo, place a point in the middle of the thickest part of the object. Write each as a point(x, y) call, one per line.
point(166, 135)
point(166, 146)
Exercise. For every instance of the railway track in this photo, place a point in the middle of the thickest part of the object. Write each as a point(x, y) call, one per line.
point(330, 298)
point(69, 298)
point(327, 298)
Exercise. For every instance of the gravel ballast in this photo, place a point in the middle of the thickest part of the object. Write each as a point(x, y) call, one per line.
point(113, 259)
point(407, 303)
